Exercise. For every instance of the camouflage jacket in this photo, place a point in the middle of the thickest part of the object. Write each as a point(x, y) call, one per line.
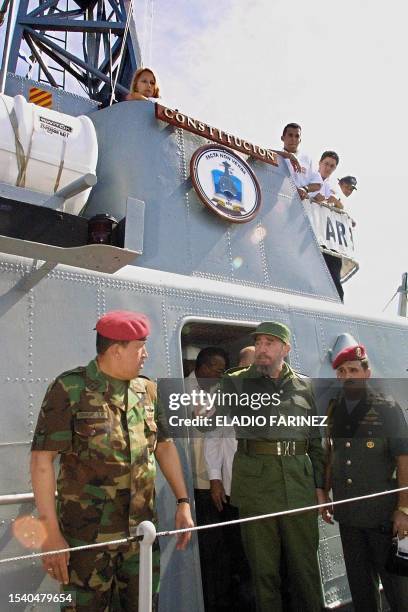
point(105, 431)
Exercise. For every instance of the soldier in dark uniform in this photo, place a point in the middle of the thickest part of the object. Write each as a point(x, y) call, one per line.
point(362, 462)
point(103, 422)
point(277, 468)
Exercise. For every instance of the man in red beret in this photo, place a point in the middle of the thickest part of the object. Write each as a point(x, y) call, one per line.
point(103, 421)
point(360, 463)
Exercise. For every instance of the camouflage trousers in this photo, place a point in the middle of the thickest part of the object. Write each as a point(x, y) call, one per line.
point(106, 580)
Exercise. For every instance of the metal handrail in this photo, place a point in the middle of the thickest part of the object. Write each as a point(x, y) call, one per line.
point(16, 498)
point(145, 534)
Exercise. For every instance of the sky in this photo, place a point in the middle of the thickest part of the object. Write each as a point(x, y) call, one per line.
point(338, 69)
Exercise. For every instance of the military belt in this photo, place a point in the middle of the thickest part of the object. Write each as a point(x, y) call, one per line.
point(273, 447)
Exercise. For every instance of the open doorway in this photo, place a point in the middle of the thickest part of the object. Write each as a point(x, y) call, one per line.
point(230, 336)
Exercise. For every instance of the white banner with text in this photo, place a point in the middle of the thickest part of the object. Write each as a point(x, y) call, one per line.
point(333, 229)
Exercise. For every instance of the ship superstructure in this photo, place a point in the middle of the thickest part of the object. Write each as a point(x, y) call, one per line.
point(202, 278)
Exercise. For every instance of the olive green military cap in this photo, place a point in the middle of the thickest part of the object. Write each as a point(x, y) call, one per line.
point(272, 328)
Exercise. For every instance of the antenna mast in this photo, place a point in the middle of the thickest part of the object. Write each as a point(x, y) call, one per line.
point(403, 295)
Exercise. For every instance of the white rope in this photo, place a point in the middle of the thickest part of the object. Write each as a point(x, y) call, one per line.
point(172, 532)
point(389, 301)
point(125, 33)
point(73, 549)
point(260, 517)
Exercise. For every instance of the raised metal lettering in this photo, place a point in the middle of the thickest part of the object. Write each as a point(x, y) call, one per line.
point(168, 113)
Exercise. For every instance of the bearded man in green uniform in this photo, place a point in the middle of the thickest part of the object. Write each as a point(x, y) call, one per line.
point(277, 468)
point(103, 422)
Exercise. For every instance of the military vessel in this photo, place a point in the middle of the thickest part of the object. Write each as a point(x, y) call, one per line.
point(198, 228)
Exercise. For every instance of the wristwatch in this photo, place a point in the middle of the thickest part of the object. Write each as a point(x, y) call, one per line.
point(183, 500)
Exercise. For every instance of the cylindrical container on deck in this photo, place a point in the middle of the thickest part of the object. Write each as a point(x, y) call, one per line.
point(44, 150)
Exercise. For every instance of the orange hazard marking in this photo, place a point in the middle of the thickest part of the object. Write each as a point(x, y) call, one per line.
point(40, 97)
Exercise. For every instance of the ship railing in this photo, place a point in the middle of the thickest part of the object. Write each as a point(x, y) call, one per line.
point(334, 230)
point(17, 498)
point(145, 533)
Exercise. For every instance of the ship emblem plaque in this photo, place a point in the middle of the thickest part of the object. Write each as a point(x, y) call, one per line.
point(225, 183)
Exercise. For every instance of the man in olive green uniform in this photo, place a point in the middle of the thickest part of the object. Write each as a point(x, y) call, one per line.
point(361, 463)
point(102, 421)
point(277, 468)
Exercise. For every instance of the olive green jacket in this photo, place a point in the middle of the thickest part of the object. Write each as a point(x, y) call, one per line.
point(264, 483)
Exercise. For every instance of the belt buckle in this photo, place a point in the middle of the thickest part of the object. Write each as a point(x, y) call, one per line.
point(289, 447)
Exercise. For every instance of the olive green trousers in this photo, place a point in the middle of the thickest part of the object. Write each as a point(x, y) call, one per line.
point(282, 555)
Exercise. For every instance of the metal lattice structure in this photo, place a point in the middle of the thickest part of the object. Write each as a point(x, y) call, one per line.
point(94, 41)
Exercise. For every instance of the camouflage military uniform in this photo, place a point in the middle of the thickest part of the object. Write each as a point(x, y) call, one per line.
point(264, 482)
point(105, 431)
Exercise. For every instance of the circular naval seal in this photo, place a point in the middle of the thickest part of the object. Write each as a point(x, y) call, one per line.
point(225, 183)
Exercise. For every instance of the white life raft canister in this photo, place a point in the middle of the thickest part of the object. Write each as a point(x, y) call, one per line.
point(44, 150)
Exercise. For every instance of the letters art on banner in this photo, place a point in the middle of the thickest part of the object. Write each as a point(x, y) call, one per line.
point(333, 231)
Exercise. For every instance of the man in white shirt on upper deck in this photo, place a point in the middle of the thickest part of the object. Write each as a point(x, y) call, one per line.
point(346, 186)
point(327, 165)
point(299, 163)
point(325, 195)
